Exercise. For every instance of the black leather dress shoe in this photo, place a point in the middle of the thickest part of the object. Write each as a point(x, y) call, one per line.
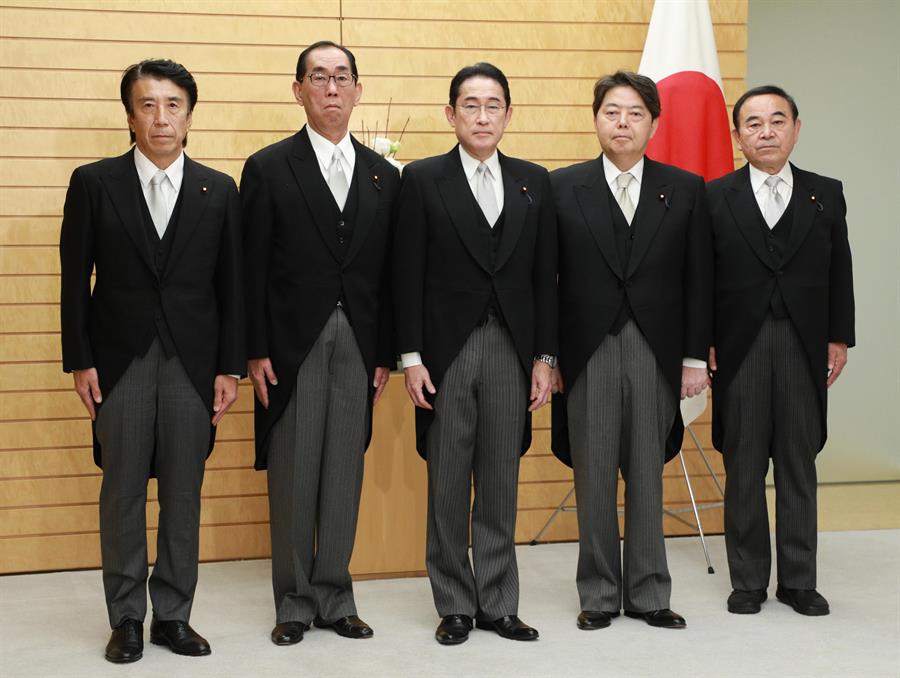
point(746, 602)
point(126, 644)
point(349, 627)
point(664, 619)
point(453, 629)
point(510, 627)
point(590, 620)
point(179, 637)
point(288, 633)
point(809, 602)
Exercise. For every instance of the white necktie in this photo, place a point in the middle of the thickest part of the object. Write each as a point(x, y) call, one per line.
point(156, 202)
point(774, 203)
point(485, 195)
point(622, 196)
point(337, 180)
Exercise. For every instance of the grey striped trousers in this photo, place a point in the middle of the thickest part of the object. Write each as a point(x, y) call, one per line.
point(315, 479)
point(771, 409)
point(621, 409)
point(152, 420)
point(479, 416)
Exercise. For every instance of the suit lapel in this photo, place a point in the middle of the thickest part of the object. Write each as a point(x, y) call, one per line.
point(195, 190)
point(457, 196)
point(367, 195)
point(806, 204)
point(651, 210)
point(515, 208)
point(124, 189)
point(305, 167)
point(593, 200)
point(746, 214)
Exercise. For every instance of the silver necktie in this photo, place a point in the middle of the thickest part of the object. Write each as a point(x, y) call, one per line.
point(337, 180)
point(774, 203)
point(156, 202)
point(487, 199)
point(622, 197)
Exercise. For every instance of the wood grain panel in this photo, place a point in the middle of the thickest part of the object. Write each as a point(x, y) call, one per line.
point(149, 26)
point(277, 8)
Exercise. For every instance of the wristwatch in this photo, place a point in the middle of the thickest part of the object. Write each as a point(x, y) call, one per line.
point(546, 358)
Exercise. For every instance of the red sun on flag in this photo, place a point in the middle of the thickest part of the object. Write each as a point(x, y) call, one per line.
point(680, 56)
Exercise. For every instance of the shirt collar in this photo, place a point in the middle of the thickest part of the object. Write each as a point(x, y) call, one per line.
point(324, 149)
point(470, 164)
point(146, 169)
point(611, 172)
point(758, 177)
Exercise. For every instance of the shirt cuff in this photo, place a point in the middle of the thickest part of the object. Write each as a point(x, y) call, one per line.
point(410, 359)
point(693, 362)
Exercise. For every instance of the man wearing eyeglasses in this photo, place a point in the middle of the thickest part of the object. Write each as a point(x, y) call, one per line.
point(317, 223)
point(475, 289)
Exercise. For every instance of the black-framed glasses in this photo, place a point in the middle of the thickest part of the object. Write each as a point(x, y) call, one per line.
point(340, 79)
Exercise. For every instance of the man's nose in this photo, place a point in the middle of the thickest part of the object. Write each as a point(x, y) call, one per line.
point(622, 121)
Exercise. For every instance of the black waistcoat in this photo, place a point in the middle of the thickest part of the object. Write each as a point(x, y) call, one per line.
point(623, 234)
point(493, 240)
point(344, 220)
point(776, 240)
point(161, 249)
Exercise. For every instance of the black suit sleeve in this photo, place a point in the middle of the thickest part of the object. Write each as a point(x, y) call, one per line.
point(76, 254)
point(409, 261)
point(841, 310)
point(257, 218)
point(230, 289)
point(698, 280)
point(385, 355)
point(546, 314)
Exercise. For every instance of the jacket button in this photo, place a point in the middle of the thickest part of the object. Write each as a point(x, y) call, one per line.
point(771, 249)
point(780, 273)
point(340, 223)
point(627, 283)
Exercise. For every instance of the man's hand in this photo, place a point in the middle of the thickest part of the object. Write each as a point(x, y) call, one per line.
point(556, 381)
point(711, 365)
point(693, 381)
point(379, 381)
point(261, 374)
point(417, 378)
point(87, 386)
point(837, 358)
point(540, 385)
point(225, 392)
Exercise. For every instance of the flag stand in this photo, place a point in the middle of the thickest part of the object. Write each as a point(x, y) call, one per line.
point(689, 414)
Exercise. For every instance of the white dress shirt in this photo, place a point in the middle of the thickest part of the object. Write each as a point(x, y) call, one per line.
point(611, 174)
point(324, 151)
point(470, 167)
point(761, 191)
point(174, 173)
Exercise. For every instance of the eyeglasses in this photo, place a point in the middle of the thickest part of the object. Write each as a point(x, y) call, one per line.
point(472, 110)
point(340, 79)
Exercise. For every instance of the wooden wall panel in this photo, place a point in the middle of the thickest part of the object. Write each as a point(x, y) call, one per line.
point(60, 63)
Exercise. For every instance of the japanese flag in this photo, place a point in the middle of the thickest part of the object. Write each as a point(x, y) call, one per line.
point(680, 56)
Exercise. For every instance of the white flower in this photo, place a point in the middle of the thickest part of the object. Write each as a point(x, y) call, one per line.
point(382, 146)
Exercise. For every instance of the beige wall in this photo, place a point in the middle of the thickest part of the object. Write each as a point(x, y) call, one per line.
point(60, 64)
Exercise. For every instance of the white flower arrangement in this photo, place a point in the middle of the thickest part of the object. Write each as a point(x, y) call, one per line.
point(384, 146)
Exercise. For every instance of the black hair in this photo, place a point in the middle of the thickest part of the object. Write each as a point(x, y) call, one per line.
point(159, 69)
point(482, 69)
point(301, 60)
point(644, 86)
point(759, 91)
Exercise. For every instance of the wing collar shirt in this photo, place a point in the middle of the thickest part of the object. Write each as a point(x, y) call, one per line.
point(324, 151)
point(470, 167)
point(611, 174)
point(146, 170)
point(761, 191)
